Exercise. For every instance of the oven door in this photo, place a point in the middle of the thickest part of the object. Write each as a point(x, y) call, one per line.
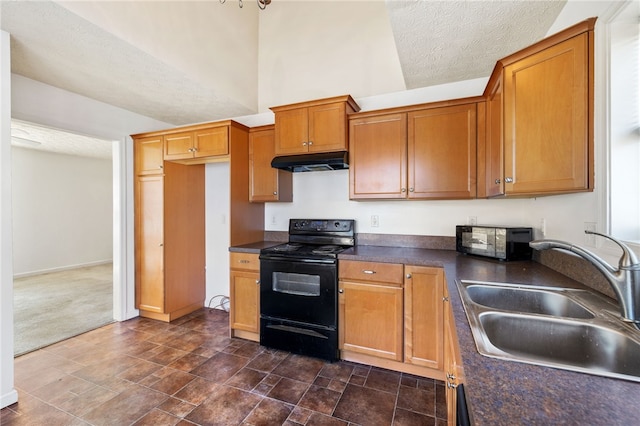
point(300, 291)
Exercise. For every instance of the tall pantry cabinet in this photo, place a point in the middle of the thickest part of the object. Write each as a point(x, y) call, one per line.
point(169, 237)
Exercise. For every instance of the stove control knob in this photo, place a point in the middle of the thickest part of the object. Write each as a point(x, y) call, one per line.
point(337, 224)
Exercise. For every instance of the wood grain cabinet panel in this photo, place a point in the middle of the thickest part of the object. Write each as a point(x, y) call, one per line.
point(148, 155)
point(420, 152)
point(539, 133)
point(424, 316)
point(378, 157)
point(546, 116)
point(244, 312)
point(265, 182)
point(442, 152)
point(370, 308)
point(314, 126)
point(169, 237)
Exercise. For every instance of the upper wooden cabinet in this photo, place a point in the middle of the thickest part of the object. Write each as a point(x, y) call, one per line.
point(148, 155)
point(420, 152)
point(314, 126)
point(265, 182)
point(543, 95)
point(200, 145)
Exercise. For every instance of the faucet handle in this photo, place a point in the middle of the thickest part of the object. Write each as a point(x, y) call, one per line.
point(628, 260)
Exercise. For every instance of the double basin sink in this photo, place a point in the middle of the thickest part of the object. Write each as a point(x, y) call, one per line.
point(571, 329)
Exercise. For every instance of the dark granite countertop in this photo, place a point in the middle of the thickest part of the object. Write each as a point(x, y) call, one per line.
point(504, 392)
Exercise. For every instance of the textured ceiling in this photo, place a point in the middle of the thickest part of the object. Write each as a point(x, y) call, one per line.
point(187, 62)
point(29, 135)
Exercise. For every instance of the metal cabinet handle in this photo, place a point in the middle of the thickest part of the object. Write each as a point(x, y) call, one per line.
point(258, 282)
point(341, 291)
point(410, 189)
point(508, 180)
point(275, 192)
point(445, 299)
point(368, 271)
point(497, 181)
point(161, 166)
point(403, 190)
point(310, 143)
point(243, 261)
point(161, 244)
point(408, 276)
point(304, 144)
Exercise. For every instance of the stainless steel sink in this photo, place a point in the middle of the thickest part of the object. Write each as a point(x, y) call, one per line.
point(527, 300)
point(572, 329)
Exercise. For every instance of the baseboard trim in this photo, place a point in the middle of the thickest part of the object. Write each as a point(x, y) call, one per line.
point(62, 268)
point(9, 398)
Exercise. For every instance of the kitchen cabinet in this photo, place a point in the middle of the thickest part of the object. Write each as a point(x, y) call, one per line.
point(491, 155)
point(244, 312)
point(265, 182)
point(169, 242)
point(148, 155)
point(170, 219)
point(419, 152)
point(453, 362)
point(424, 316)
point(313, 126)
point(209, 143)
point(546, 91)
point(392, 316)
point(370, 309)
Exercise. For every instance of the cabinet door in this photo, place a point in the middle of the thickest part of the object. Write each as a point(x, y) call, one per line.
point(371, 319)
point(178, 146)
point(148, 155)
point(244, 313)
point(378, 157)
point(211, 142)
point(265, 182)
point(454, 371)
point(328, 128)
point(442, 152)
point(150, 244)
point(292, 131)
point(493, 161)
point(546, 113)
point(424, 316)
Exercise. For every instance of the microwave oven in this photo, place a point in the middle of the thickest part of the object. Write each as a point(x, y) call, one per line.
point(497, 242)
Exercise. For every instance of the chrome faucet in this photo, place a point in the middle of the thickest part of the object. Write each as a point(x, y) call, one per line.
point(625, 280)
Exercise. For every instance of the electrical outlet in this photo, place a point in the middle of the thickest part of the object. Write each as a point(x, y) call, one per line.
point(590, 239)
point(375, 221)
point(543, 227)
point(273, 219)
point(472, 220)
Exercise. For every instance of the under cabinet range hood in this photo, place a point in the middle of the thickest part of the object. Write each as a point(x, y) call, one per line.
point(312, 162)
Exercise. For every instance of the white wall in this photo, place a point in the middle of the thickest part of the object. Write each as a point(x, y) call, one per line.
point(8, 394)
point(217, 204)
point(62, 211)
point(314, 49)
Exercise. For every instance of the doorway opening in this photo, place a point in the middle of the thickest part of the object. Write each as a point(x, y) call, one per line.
point(63, 226)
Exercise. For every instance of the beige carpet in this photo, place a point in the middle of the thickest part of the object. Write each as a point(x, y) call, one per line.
point(52, 307)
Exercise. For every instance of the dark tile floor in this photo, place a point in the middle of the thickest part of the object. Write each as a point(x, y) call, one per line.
point(146, 372)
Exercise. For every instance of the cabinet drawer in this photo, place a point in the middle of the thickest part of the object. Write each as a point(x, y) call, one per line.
point(391, 273)
point(246, 261)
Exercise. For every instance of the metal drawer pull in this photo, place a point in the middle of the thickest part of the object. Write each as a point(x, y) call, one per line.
point(408, 276)
point(368, 271)
point(244, 261)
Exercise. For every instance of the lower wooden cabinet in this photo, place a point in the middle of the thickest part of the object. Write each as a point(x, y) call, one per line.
point(392, 316)
point(370, 309)
point(453, 363)
point(424, 316)
point(244, 313)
